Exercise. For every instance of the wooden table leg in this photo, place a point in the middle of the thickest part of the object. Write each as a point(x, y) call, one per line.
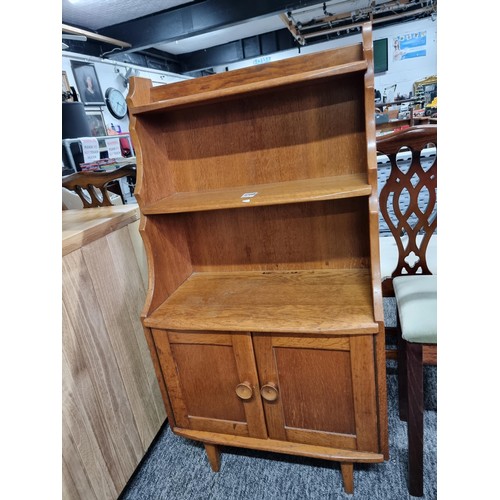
point(213, 454)
point(347, 476)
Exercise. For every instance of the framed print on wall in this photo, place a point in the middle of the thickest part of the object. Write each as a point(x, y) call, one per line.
point(96, 122)
point(67, 95)
point(87, 83)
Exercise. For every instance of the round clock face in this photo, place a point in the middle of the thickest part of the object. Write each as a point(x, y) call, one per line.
point(116, 103)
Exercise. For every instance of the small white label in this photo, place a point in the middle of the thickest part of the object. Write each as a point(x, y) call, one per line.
point(90, 149)
point(114, 149)
point(249, 195)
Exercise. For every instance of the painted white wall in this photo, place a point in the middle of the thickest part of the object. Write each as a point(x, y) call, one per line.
point(403, 73)
point(107, 74)
point(407, 71)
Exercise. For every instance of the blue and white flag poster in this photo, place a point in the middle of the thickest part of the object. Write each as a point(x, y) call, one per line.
point(409, 45)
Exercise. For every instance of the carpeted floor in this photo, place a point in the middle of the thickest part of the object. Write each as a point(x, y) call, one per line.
point(177, 469)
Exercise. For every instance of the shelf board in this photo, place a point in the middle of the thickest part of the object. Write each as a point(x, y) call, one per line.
point(246, 88)
point(276, 193)
point(337, 301)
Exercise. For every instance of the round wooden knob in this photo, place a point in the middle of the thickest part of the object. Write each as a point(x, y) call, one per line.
point(269, 392)
point(244, 391)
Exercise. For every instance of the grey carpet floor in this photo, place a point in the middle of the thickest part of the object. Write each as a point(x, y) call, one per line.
point(177, 469)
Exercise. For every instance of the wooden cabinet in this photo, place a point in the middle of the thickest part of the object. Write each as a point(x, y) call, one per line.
point(258, 194)
point(311, 389)
point(112, 406)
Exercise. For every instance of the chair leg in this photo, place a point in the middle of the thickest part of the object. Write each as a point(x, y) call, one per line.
point(402, 380)
point(415, 420)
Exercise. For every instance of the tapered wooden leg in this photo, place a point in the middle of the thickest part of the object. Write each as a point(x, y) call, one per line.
point(415, 419)
point(347, 476)
point(213, 454)
point(402, 380)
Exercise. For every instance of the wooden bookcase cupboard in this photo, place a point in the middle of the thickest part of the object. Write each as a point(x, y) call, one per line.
point(258, 195)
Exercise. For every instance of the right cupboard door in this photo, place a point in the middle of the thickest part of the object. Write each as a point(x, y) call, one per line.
point(319, 390)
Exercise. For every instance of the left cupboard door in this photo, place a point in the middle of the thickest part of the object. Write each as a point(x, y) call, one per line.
point(212, 381)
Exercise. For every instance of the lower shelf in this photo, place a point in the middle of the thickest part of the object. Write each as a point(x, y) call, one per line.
point(312, 301)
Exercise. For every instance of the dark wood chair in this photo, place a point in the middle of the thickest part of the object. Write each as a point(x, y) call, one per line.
point(93, 187)
point(408, 205)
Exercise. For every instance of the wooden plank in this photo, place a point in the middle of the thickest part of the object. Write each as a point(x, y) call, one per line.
point(320, 301)
point(287, 72)
point(70, 486)
point(381, 381)
point(80, 227)
point(277, 193)
point(321, 438)
point(364, 392)
point(86, 472)
point(95, 36)
point(139, 250)
point(312, 342)
point(117, 284)
point(212, 338)
point(293, 237)
point(247, 372)
point(263, 345)
point(249, 88)
point(429, 354)
point(322, 452)
point(171, 376)
point(97, 376)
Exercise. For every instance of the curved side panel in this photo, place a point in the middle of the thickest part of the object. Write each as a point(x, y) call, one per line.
point(138, 94)
point(169, 263)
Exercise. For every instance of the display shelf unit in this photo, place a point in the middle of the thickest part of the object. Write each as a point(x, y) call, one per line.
point(259, 214)
point(68, 142)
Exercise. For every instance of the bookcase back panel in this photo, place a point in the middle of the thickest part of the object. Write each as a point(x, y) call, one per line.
point(317, 235)
point(303, 132)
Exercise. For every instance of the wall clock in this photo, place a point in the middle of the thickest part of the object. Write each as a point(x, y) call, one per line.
point(116, 103)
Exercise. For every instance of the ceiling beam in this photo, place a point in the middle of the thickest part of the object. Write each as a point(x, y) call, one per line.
point(195, 19)
point(94, 36)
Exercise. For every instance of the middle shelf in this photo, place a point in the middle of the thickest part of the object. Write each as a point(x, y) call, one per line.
point(276, 193)
point(332, 301)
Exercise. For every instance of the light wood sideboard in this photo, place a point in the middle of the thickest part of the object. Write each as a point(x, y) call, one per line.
point(112, 405)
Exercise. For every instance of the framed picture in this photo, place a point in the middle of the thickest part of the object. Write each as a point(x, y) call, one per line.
point(87, 83)
point(65, 82)
point(67, 92)
point(96, 122)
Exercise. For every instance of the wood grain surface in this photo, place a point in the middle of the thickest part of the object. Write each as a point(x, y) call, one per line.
point(258, 193)
point(112, 406)
point(80, 227)
point(323, 301)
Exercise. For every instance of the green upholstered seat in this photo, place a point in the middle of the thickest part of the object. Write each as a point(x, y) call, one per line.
point(416, 298)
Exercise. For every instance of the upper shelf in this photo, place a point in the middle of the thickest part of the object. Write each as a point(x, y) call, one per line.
point(276, 193)
point(289, 72)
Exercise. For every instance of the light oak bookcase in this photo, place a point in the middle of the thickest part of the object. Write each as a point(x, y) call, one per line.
point(259, 214)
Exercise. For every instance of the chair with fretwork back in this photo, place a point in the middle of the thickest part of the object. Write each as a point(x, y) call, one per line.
point(92, 187)
point(409, 208)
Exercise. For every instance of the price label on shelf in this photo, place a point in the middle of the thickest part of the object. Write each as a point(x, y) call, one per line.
point(90, 149)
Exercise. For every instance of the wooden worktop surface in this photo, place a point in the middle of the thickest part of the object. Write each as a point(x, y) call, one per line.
point(80, 227)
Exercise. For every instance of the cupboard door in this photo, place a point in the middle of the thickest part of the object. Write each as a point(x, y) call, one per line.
point(319, 390)
point(212, 381)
